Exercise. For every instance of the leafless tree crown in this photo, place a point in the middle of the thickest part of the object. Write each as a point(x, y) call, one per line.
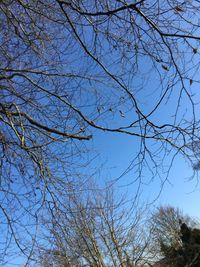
point(72, 69)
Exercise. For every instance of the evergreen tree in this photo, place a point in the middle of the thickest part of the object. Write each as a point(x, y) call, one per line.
point(188, 254)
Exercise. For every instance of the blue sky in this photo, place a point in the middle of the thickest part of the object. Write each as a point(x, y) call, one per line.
point(117, 151)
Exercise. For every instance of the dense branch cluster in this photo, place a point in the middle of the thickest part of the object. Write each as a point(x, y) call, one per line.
point(71, 69)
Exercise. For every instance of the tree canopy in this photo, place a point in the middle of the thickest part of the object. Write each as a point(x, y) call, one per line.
point(72, 69)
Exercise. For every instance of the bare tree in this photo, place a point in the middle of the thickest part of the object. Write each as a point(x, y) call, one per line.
point(72, 68)
point(106, 234)
point(94, 230)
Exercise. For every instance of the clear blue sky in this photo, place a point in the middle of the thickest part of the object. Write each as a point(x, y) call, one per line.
point(116, 151)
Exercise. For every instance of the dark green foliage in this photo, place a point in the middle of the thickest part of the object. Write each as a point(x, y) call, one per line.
point(185, 233)
point(188, 253)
